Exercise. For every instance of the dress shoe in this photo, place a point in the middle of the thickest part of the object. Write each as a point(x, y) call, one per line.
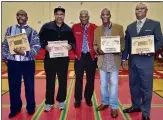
point(12, 114)
point(77, 104)
point(145, 118)
point(114, 113)
point(131, 110)
point(89, 103)
point(102, 107)
point(31, 112)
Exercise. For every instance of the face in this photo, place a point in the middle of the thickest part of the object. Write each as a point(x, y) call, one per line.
point(105, 16)
point(21, 17)
point(59, 17)
point(84, 18)
point(141, 11)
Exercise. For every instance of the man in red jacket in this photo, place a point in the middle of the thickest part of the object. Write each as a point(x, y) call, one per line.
point(85, 59)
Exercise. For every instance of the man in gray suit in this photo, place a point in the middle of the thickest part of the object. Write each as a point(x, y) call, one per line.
point(141, 65)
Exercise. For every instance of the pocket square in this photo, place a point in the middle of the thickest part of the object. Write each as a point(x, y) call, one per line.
point(148, 30)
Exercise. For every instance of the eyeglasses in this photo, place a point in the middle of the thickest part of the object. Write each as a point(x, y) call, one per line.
point(140, 8)
point(62, 14)
point(21, 15)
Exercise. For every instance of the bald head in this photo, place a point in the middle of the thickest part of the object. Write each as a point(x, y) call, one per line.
point(139, 5)
point(84, 17)
point(141, 11)
point(85, 12)
point(105, 16)
point(105, 10)
point(22, 12)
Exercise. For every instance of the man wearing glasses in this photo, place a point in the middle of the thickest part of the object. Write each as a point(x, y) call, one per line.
point(56, 30)
point(141, 65)
point(21, 64)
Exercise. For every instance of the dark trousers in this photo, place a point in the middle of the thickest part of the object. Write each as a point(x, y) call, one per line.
point(85, 64)
point(52, 67)
point(141, 85)
point(17, 69)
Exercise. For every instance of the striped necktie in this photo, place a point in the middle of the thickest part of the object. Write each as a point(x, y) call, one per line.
point(139, 26)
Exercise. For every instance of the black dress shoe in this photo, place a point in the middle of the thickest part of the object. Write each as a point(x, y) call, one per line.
point(31, 112)
point(145, 118)
point(12, 114)
point(77, 104)
point(89, 103)
point(131, 110)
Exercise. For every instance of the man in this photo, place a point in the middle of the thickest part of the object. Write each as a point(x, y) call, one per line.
point(141, 65)
point(108, 64)
point(56, 30)
point(85, 59)
point(21, 63)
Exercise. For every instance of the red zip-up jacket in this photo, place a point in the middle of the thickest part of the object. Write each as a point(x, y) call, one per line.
point(78, 31)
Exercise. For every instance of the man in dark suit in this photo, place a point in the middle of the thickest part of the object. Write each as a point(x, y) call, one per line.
point(141, 65)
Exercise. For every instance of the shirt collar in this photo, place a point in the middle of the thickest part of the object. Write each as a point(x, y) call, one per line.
point(87, 25)
point(110, 26)
point(24, 26)
point(142, 20)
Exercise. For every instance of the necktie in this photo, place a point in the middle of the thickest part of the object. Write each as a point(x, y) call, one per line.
point(85, 42)
point(139, 26)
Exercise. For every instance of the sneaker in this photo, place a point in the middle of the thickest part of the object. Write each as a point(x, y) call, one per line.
point(61, 105)
point(48, 107)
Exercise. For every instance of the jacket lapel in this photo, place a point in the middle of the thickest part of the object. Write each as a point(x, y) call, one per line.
point(134, 29)
point(144, 27)
point(114, 30)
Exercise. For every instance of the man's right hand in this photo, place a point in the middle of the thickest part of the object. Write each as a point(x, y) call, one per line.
point(124, 64)
point(6, 63)
point(99, 51)
point(48, 48)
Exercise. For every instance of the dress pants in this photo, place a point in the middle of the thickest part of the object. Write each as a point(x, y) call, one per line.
point(17, 69)
point(85, 64)
point(141, 86)
point(53, 67)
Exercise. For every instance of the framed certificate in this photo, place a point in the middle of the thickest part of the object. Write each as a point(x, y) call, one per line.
point(143, 44)
point(110, 44)
point(17, 41)
point(58, 48)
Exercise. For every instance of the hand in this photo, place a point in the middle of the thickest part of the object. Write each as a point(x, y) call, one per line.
point(162, 54)
point(99, 51)
point(124, 64)
point(141, 53)
point(48, 48)
point(69, 47)
point(19, 51)
point(6, 63)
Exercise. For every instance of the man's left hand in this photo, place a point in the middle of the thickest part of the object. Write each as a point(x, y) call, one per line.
point(141, 53)
point(19, 51)
point(69, 47)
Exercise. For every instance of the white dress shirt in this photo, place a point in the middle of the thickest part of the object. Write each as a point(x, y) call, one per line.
point(142, 22)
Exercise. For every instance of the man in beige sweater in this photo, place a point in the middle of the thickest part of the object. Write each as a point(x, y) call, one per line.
point(109, 63)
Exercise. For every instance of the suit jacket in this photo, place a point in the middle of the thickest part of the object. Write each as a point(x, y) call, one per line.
point(117, 30)
point(150, 27)
point(78, 33)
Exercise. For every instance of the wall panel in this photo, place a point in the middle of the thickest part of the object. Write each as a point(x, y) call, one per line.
point(41, 12)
